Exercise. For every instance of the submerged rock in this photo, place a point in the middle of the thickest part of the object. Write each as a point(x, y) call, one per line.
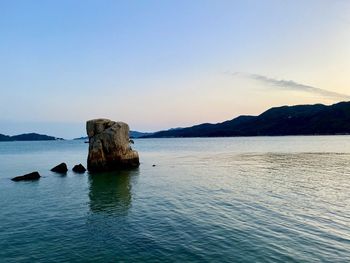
point(109, 147)
point(27, 177)
point(79, 168)
point(61, 168)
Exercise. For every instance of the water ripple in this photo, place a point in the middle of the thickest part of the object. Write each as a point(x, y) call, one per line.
point(215, 200)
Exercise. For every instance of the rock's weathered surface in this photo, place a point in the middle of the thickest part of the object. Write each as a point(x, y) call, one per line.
point(109, 147)
point(27, 177)
point(79, 168)
point(61, 168)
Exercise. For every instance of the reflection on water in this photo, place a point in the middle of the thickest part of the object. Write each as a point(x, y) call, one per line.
point(111, 192)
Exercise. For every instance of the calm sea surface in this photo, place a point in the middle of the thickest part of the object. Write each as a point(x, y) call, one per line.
point(262, 199)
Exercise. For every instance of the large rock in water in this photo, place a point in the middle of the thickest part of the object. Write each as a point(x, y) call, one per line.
point(109, 147)
point(27, 177)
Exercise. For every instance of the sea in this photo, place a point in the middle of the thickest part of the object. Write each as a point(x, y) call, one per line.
point(243, 199)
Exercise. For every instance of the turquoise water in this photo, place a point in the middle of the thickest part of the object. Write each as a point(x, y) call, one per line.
point(262, 199)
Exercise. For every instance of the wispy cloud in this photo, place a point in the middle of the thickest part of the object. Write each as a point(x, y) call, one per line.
point(291, 85)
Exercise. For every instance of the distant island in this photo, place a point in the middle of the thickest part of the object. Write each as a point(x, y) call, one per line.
point(27, 137)
point(132, 135)
point(315, 119)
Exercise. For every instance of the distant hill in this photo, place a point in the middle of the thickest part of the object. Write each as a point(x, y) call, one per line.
point(132, 134)
point(315, 119)
point(136, 134)
point(28, 137)
point(4, 138)
point(81, 138)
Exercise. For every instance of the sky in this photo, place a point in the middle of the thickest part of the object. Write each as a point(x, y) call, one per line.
point(164, 64)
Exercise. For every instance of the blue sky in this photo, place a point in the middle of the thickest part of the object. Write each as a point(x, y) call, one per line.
point(162, 64)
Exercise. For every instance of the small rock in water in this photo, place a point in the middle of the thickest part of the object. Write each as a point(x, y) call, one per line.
point(153, 165)
point(27, 177)
point(79, 168)
point(61, 168)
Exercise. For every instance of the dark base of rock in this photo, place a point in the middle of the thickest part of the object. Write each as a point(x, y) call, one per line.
point(61, 168)
point(79, 169)
point(27, 177)
point(115, 165)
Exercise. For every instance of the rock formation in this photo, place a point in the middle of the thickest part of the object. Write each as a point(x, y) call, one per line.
point(27, 177)
point(79, 168)
point(109, 147)
point(61, 168)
